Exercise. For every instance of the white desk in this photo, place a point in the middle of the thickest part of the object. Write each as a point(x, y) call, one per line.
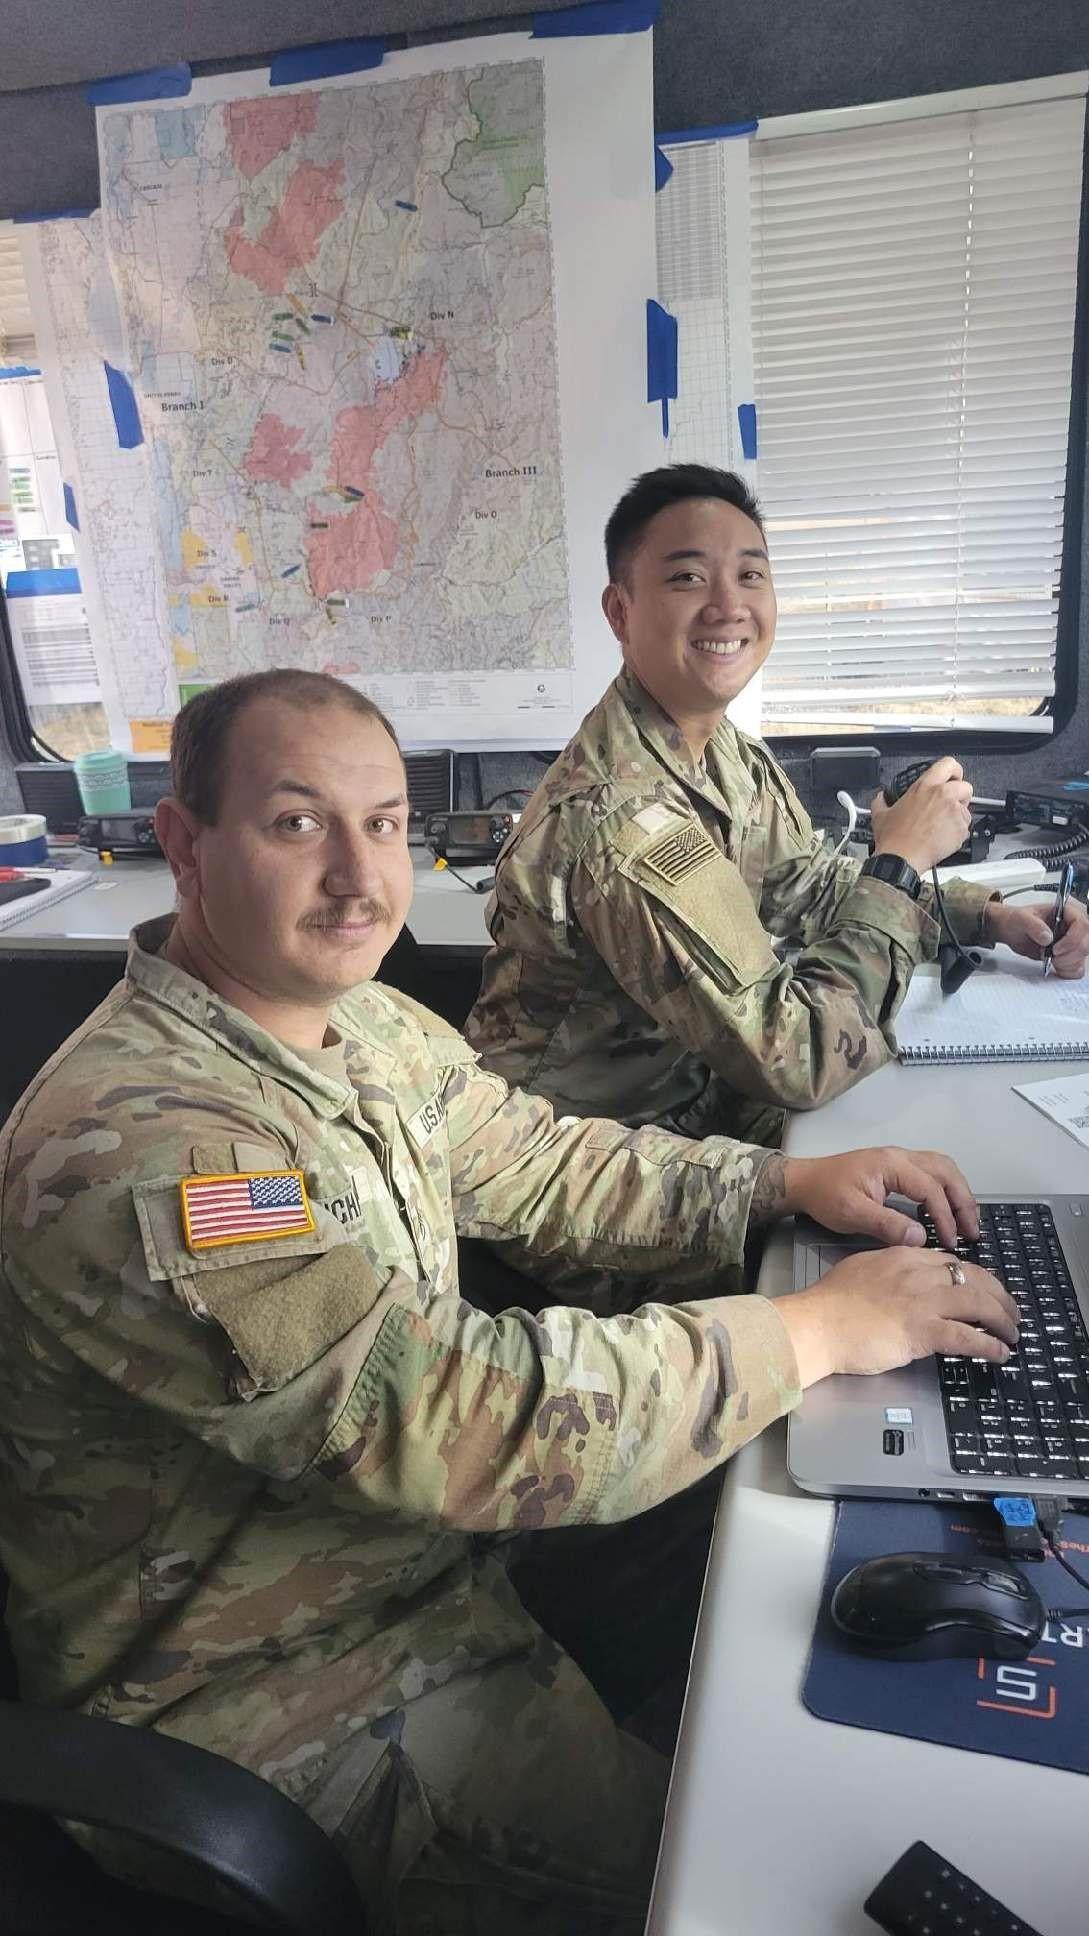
point(780, 1824)
point(97, 920)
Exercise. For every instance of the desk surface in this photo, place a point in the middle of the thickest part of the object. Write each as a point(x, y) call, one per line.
point(780, 1824)
point(97, 920)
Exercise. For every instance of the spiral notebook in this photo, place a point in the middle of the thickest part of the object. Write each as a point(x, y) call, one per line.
point(1008, 1011)
point(57, 884)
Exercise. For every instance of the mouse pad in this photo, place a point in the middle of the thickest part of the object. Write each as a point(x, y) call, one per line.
point(1030, 1710)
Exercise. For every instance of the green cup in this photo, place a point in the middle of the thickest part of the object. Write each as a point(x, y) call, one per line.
point(103, 781)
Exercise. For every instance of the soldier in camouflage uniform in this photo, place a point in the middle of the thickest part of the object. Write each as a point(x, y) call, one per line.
point(262, 1461)
point(634, 972)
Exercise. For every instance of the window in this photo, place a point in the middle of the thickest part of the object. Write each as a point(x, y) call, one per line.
point(909, 287)
point(38, 576)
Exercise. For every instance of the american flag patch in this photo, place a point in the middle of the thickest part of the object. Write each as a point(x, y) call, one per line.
point(677, 854)
point(241, 1208)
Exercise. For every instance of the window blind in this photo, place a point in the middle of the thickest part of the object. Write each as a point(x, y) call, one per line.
point(913, 292)
point(16, 327)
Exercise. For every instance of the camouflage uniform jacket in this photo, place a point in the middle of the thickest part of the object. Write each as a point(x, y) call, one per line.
point(251, 1494)
point(633, 973)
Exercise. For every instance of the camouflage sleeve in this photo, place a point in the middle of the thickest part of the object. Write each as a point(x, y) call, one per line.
point(802, 898)
point(964, 904)
point(316, 1366)
point(636, 1200)
point(674, 921)
point(805, 885)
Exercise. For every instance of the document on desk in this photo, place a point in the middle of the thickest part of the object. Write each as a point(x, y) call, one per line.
point(1065, 1099)
point(1008, 1011)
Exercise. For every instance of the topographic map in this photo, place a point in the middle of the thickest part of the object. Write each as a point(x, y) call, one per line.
point(339, 319)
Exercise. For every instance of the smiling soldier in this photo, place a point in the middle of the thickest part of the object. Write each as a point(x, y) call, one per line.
point(637, 906)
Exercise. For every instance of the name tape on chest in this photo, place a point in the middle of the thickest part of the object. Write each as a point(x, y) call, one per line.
point(422, 1126)
point(681, 852)
point(248, 1206)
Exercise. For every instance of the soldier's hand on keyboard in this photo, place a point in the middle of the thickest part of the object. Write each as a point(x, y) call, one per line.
point(847, 1193)
point(881, 1309)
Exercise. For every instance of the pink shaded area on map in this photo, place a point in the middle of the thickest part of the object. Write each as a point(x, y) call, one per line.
point(362, 429)
point(351, 553)
point(272, 457)
point(289, 237)
point(258, 131)
point(363, 542)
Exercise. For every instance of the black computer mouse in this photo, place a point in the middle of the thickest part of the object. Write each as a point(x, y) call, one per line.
point(931, 1606)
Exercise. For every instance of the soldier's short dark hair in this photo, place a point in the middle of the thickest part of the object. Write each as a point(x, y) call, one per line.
point(655, 491)
point(198, 742)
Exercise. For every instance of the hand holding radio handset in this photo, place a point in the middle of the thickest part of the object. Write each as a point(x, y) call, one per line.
point(923, 816)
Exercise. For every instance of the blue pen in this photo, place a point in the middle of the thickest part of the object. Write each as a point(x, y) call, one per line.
point(1066, 882)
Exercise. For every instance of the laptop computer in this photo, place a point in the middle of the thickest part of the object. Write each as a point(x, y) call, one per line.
point(961, 1428)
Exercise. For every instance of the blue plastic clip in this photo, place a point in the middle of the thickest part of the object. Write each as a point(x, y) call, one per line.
point(597, 17)
point(661, 359)
point(70, 512)
point(325, 59)
point(663, 168)
point(126, 416)
point(1014, 1511)
point(156, 84)
point(10, 370)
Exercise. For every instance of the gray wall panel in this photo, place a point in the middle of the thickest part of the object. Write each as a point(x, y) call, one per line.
point(54, 41)
point(714, 60)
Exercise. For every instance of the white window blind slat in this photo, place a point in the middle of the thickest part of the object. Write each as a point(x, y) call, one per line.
point(913, 313)
point(16, 326)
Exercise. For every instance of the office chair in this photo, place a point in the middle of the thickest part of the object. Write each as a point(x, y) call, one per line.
point(238, 1829)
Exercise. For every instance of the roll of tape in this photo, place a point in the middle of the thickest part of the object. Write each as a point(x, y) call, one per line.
point(22, 839)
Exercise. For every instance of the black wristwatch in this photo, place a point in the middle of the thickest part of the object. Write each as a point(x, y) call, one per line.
point(895, 872)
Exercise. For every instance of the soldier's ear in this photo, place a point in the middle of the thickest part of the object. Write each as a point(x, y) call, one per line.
point(614, 604)
point(176, 830)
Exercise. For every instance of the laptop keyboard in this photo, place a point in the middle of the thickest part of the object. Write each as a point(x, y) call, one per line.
point(1029, 1418)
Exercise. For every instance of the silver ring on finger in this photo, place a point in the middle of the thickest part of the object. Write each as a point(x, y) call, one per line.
point(955, 1271)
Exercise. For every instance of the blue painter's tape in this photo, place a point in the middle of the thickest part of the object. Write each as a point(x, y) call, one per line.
point(661, 359)
point(597, 17)
point(324, 59)
point(70, 512)
point(746, 423)
point(55, 215)
point(126, 417)
point(23, 853)
point(729, 131)
point(155, 84)
point(663, 168)
point(18, 369)
point(41, 584)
